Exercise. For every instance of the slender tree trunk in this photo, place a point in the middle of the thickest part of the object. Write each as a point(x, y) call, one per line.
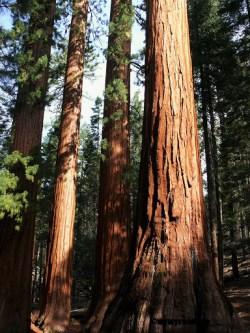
point(170, 285)
point(211, 188)
point(243, 236)
point(41, 269)
point(55, 310)
point(234, 255)
point(214, 206)
point(35, 270)
point(217, 192)
point(16, 247)
point(114, 203)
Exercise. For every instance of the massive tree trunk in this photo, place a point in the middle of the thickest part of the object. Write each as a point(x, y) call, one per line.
point(16, 247)
point(170, 285)
point(56, 303)
point(114, 208)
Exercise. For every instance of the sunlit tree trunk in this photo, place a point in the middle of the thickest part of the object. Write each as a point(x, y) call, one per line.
point(170, 285)
point(16, 247)
point(114, 207)
point(56, 303)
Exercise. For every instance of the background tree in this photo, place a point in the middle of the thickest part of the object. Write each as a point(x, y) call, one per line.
point(44, 207)
point(87, 208)
point(233, 108)
point(219, 35)
point(206, 32)
point(136, 121)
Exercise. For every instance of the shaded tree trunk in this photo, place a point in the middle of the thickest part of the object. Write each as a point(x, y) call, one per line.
point(234, 254)
point(219, 219)
point(235, 264)
point(56, 303)
point(16, 247)
point(35, 271)
point(243, 236)
point(170, 284)
point(112, 245)
point(41, 267)
point(212, 174)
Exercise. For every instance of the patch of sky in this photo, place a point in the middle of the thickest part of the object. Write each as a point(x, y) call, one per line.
point(5, 18)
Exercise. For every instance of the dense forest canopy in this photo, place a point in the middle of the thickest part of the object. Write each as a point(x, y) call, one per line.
point(124, 165)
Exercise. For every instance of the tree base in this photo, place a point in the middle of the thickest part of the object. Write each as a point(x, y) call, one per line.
point(96, 313)
point(169, 296)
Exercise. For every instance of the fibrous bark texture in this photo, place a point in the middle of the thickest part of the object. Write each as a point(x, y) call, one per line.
point(170, 286)
point(16, 247)
point(56, 303)
point(114, 206)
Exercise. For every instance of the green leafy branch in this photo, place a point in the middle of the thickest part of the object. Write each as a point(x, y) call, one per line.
point(13, 200)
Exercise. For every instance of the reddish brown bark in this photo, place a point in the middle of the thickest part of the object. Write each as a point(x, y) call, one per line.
point(16, 247)
point(114, 206)
point(170, 286)
point(56, 305)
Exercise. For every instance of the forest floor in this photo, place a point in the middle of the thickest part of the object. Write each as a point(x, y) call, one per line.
point(237, 291)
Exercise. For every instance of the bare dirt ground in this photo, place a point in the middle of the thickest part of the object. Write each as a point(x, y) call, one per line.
point(238, 292)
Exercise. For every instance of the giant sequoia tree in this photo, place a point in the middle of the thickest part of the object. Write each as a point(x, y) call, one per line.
point(170, 284)
point(56, 301)
point(16, 246)
point(114, 208)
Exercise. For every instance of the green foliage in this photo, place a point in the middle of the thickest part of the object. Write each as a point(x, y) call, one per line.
point(116, 91)
point(16, 158)
point(136, 120)
point(87, 201)
point(120, 31)
point(14, 199)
